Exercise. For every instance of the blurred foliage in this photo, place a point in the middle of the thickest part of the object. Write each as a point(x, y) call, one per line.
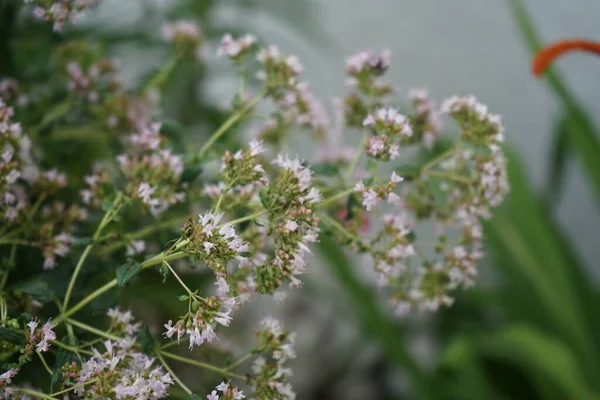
point(536, 333)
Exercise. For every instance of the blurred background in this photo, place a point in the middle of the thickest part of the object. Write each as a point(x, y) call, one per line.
point(530, 328)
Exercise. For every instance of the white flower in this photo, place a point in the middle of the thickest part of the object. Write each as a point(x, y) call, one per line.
point(395, 178)
point(291, 225)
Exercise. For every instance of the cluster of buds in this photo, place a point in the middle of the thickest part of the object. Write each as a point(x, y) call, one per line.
point(123, 323)
point(280, 72)
point(300, 107)
point(276, 347)
point(290, 199)
point(39, 338)
point(185, 35)
point(391, 129)
point(224, 391)
point(60, 12)
point(242, 167)
point(236, 49)
point(425, 119)
point(118, 373)
point(203, 317)
point(212, 243)
point(92, 82)
point(364, 70)
point(153, 172)
point(373, 194)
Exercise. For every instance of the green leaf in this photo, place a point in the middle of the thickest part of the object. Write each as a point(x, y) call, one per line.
point(559, 155)
point(263, 194)
point(546, 285)
point(196, 397)
point(537, 353)
point(325, 169)
point(146, 340)
point(107, 205)
point(38, 289)
point(127, 271)
point(56, 380)
point(373, 319)
point(8, 335)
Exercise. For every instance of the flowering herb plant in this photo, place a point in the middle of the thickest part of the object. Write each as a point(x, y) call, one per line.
point(251, 218)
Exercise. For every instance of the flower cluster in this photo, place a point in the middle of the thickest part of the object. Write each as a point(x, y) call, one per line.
point(117, 373)
point(224, 391)
point(185, 35)
point(203, 317)
point(61, 11)
point(153, 172)
point(425, 119)
point(276, 347)
point(280, 72)
point(236, 48)
point(40, 338)
point(388, 125)
point(100, 77)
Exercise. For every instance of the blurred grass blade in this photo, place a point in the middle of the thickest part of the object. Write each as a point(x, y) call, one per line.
point(462, 374)
point(542, 270)
point(373, 319)
point(558, 161)
point(584, 136)
point(539, 354)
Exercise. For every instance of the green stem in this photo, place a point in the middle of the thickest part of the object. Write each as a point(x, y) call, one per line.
point(200, 364)
point(336, 197)
point(450, 175)
point(240, 361)
point(163, 74)
point(228, 124)
point(354, 162)
point(246, 218)
point(44, 363)
point(187, 289)
point(142, 233)
point(105, 221)
point(158, 259)
point(432, 163)
point(71, 348)
point(170, 371)
point(93, 330)
point(75, 387)
point(19, 242)
point(336, 224)
point(35, 394)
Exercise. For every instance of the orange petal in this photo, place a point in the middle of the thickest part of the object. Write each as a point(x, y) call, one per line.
point(547, 55)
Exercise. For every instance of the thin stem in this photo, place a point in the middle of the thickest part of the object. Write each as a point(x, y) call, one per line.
point(228, 124)
point(187, 289)
point(173, 343)
point(169, 370)
point(200, 364)
point(71, 348)
point(336, 197)
point(354, 162)
point(332, 222)
point(111, 284)
point(19, 242)
point(163, 74)
point(35, 394)
point(75, 387)
point(450, 175)
point(142, 233)
point(9, 266)
point(436, 160)
point(246, 218)
point(240, 361)
point(105, 220)
point(93, 330)
point(44, 362)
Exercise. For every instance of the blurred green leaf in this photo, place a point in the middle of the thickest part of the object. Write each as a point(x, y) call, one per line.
point(542, 285)
point(372, 318)
point(559, 156)
point(538, 353)
point(127, 271)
